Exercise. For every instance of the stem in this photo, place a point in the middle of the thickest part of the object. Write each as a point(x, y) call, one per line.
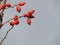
point(6, 35)
point(11, 6)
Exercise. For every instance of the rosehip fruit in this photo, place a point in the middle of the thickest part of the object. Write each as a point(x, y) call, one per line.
point(21, 3)
point(16, 18)
point(29, 15)
point(8, 5)
point(1, 7)
point(18, 8)
point(25, 15)
point(31, 11)
point(16, 22)
point(12, 23)
point(29, 21)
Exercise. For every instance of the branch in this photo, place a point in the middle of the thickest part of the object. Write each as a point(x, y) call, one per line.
point(6, 35)
point(10, 20)
point(2, 12)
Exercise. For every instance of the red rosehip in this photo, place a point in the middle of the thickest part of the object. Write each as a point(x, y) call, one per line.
point(16, 18)
point(25, 15)
point(16, 22)
point(8, 5)
point(29, 21)
point(18, 8)
point(1, 7)
point(31, 12)
point(21, 3)
point(12, 23)
point(29, 15)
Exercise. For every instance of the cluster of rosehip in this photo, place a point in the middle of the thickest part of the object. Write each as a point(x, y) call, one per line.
point(15, 22)
point(29, 15)
point(8, 5)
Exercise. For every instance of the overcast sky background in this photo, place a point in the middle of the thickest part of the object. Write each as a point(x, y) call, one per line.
point(45, 27)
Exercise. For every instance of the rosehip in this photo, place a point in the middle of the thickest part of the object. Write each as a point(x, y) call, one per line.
point(25, 15)
point(8, 5)
point(1, 7)
point(18, 8)
point(16, 18)
point(31, 11)
point(29, 21)
point(16, 22)
point(29, 15)
point(21, 3)
point(12, 23)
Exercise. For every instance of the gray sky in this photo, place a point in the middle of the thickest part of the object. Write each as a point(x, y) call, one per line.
point(45, 27)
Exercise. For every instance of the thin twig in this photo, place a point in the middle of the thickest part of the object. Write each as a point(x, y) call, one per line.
point(6, 35)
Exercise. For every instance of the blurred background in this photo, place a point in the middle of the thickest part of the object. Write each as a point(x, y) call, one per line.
point(45, 27)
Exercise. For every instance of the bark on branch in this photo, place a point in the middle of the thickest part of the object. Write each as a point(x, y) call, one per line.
point(2, 12)
point(6, 35)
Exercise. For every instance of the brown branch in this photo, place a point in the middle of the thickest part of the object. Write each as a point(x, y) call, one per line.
point(6, 35)
point(2, 13)
point(10, 20)
point(8, 30)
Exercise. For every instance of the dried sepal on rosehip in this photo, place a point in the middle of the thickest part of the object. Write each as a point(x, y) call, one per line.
point(8, 5)
point(29, 21)
point(31, 11)
point(15, 18)
point(18, 8)
point(12, 23)
point(16, 22)
point(31, 16)
point(21, 3)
